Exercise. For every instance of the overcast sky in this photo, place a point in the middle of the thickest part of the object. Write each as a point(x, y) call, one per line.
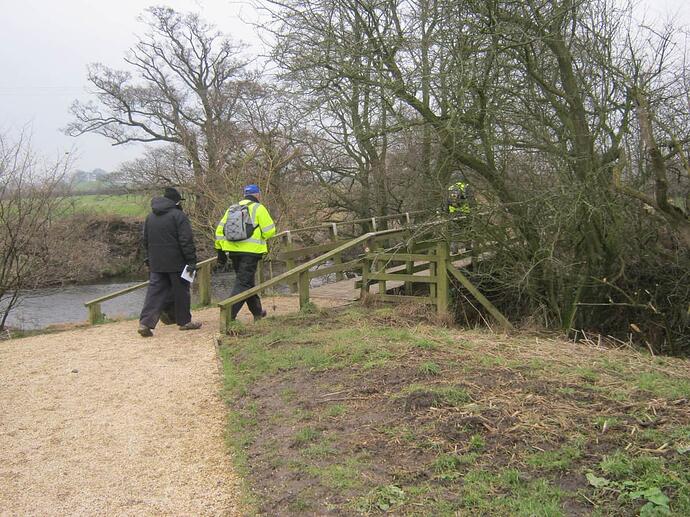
point(45, 46)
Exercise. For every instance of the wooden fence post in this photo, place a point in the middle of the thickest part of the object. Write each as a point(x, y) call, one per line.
point(364, 289)
point(303, 282)
point(290, 263)
point(205, 284)
point(433, 270)
point(337, 259)
point(379, 266)
point(95, 314)
point(409, 265)
point(442, 275)
point(224, 319)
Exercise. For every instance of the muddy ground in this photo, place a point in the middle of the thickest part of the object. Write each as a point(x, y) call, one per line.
point(342, 414)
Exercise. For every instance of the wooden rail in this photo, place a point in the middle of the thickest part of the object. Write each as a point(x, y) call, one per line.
point(373, 221)
point(301, 272)
point(291, 254)
point(500, 318)
point(374, 263)
point(203, 277)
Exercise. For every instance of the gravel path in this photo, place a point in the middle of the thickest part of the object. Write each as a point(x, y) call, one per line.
point(102, 421)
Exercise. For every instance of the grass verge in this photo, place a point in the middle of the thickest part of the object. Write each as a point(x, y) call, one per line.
point(365, 411)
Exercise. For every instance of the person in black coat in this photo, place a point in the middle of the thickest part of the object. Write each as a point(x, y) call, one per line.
point(169, 245)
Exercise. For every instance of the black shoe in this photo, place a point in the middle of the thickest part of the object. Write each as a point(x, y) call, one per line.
point(144, 331)
point(192, 325)
point(260, 316)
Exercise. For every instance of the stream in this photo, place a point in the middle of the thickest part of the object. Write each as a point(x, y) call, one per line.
point(43, 307)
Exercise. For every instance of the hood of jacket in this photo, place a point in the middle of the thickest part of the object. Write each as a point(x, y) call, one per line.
point(161, 205)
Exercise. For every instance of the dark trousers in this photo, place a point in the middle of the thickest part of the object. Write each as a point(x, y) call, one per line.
point(245, 272)
point(164, 288)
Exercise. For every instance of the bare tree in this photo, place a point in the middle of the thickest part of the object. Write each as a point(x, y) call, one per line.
point(657, 82)
point(30, 199)
point(160, 165)
point(349, 125)
point(533, 101)
point(186, 89)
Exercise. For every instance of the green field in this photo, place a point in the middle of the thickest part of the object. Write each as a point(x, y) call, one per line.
point(124, 205)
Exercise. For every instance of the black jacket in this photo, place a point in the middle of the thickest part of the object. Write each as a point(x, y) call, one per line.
point(168, 238)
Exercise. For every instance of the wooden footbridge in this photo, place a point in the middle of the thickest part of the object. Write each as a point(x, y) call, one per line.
point(394, 258)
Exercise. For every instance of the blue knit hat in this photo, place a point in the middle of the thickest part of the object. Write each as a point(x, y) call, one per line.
point(251, 190)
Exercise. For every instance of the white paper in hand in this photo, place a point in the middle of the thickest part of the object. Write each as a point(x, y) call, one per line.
point(186, 275)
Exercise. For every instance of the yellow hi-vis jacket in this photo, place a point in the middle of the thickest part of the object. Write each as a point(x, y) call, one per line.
point(459, 204)
point(265, 229)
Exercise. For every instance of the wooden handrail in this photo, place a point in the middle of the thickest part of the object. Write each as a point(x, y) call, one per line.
point(110, 296)
point(301, 271)
point(131, 288)
point(324, 226)
point(294, 271)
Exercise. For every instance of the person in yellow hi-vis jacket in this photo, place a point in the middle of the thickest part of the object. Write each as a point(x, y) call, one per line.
point(241, 235)
point(459, 198)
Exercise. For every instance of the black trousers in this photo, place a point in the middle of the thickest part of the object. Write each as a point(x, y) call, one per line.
point(164, 288)
point(245, 273)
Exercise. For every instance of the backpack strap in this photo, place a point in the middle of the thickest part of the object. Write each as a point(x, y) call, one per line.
point(253, 207)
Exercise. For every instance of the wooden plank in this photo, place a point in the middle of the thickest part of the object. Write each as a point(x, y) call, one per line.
point(415, 269)
point(498, 316)
point(402, 257)
point(403, 278)
point(404, 298)
point(139, 286)
point(380, 238)
point(116, 294)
